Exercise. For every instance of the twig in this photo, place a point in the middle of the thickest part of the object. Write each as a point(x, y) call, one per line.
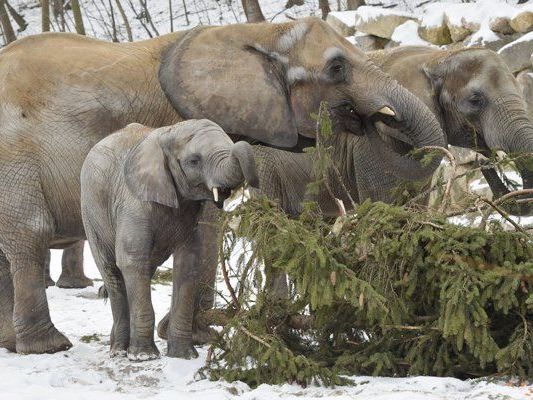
point(223, 266)
point(451, 178)
point(256, 338)
point(504, 215)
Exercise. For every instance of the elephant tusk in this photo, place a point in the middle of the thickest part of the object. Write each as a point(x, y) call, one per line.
point(387, 111)
point(215, 194)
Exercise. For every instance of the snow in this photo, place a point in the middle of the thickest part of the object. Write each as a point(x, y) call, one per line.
point(86, 372)
point(346, 17)
point(367, 13)
point(407, 34)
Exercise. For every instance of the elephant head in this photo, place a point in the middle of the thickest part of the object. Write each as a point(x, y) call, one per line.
point(264, 81)
point(192, 160)
point(482, 107)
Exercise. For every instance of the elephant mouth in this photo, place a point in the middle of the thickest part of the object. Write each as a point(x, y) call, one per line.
point(220, 194)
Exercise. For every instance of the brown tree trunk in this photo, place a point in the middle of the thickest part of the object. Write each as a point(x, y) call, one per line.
point(19, 19)
point(124, 19)
point(45, 15)
point(324, 6)
point(252, 10)
point(354, 4)
point(78, 19)
point(59, 14)
point(7, 28)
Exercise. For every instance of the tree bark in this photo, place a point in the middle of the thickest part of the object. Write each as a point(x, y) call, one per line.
point(45, 15)
point(124, 19)
point(324, 6)
point(252, 10)
point(59, 14)
point(78, 19)
point(19, 19)
point(7, 28)
point(354, 4)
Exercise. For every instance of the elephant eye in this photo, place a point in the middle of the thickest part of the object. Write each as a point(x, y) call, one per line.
point(193, 161)
point(476, 101)
point(336, 70)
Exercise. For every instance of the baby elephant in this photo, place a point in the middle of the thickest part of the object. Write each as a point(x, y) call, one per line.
point(142, 190)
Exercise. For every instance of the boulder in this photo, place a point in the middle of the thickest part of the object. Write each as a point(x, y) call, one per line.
point(523, 22)
point(368, 42)
point(517, 54)
point(436, 34)
point(501, 25)
point(379, 22)
point(458, 32)
point(342, 21)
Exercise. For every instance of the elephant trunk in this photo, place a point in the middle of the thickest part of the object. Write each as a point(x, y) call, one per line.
point(234, 166)
point(407, 114)
point(509, 129)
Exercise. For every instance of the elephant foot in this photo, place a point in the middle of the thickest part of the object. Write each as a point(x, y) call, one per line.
point(49, 282)
point(182, 348)
point(8, 341)
point(204, 335)
point(118, 353)
point(71, 282)
point(52, 341)
point(143, 353)
point(162, 327)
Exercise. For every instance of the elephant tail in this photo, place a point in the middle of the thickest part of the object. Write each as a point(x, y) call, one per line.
point(102, 293)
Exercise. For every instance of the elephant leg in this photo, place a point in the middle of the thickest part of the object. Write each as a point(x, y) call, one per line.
point(25, 233)
point(7, 331)
point(48, 281)
point(72, 275)
point(142, 317)
point(276, 283)
point(185, 284)
point(114, 288)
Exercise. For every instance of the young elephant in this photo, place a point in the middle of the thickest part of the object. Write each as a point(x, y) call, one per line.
point(142, 190)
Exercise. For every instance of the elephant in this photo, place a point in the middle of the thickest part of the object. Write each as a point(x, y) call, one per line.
point(476, 98)
point(141, 195)
point(368, 168)
point(72, 275)
point(62, 93)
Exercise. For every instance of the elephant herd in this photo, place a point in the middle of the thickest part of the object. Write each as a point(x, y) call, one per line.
point(129, 145)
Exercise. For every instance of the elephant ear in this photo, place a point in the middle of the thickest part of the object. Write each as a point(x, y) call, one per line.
point(147, 174)
point(220, 74)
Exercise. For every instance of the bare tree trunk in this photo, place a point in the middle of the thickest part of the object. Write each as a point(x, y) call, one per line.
point(59, 14)
point(7, 28)
point(78, 19)
point(324, 6)
point(354, 4)
point(171, 16)
point(114, 37)
point(45, 15)
point(252, 10)
point(19, 19)
point(124, 19)
point(186, 12)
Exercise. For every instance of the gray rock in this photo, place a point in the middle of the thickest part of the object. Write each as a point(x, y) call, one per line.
point(523, 22)
point(517, 54)
point(501, 25)
point(343, 22)
point(369, 42)
point(379, 22)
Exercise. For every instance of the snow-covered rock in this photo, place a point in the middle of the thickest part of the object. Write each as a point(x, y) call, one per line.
point(368, 42)
point(380, 21)
point(523, 22)
point(407, 35)
point(517, 54)
point(501, 25)
point(342, 21)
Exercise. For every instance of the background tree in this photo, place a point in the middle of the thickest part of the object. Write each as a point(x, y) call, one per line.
point(45, 15)
point(19, 19)
point(252, 10)
point(324, 6)
point(78, 20)
point(354, 4)
point(7, 28)
point(124, 19)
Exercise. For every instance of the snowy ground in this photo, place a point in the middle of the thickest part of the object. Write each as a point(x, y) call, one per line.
point(87, 372)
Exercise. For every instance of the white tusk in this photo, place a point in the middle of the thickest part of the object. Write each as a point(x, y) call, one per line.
point(387, 111)
point(215, 194)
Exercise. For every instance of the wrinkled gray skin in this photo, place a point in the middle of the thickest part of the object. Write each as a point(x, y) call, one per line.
point(259, 81)
point(72, 275)
point(141, 196)
point(369, 169)
point(476, 98)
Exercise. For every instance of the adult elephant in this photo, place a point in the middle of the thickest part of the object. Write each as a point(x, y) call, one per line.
point(476, 98)
point(62, 93)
